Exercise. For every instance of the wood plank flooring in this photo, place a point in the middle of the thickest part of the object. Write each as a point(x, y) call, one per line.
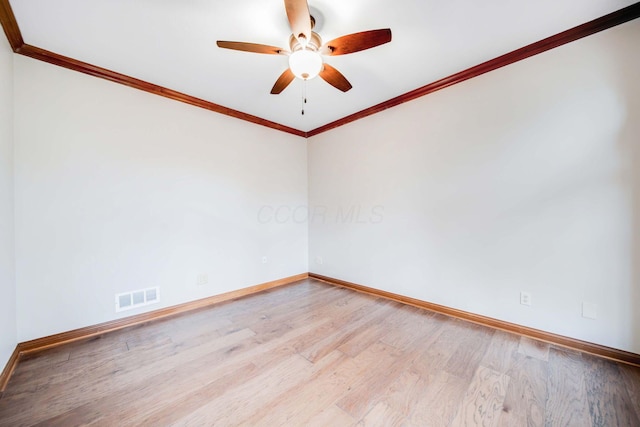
point(311, 354)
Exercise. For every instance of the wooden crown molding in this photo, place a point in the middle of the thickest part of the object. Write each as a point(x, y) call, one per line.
point(93, 70)
point(40, 344)
point(605, 22)
point(560, 340)
point(11, 29)
point(10, 25)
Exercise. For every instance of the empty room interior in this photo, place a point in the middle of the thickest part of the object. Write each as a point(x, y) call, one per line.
point(320, 213)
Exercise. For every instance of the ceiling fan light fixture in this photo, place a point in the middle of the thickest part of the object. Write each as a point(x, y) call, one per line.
point(307, 50)
point(305, 64)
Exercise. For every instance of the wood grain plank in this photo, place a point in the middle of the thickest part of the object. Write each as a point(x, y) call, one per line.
point(24, 350)
point(115, 343)
point(113, 375)
point(369, 388)
point(534, 348)
point(357, 320)
point(437, 404)
point(465, 360)
point(609, 402)
point(483, 401)
point(34, 367)
point(526, 397)
point(566, 393)
point(306, 401)
point(263, 356)
point(274, 412)
point(422, 323)
point(420, 355)
point(631, 378)
point(134, 406)
point(210, 366)
point(558, 340)
point(251, 396)
point(437, 350)
point(44, 343)
point(394, 318)
point(382, 415)
point(403, 395)
point(279, 305)
point(331, 416)
point(318, 308)
point(500, 353)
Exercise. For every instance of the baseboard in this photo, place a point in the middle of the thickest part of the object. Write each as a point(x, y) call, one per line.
point(34, 346)
point(8, 370)
point(40, 344)
point(567, 342)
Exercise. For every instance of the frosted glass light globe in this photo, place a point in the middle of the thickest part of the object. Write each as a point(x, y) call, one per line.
point(305, 64)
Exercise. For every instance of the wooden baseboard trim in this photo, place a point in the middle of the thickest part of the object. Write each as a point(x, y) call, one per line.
point(8, 370)
point(34, 346)
point(39, 344)
point(560, 340)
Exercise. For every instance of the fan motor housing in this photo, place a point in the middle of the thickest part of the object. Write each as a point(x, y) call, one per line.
point(313, 44)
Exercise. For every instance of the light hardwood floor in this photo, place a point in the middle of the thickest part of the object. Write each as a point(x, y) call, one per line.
point(316, 355)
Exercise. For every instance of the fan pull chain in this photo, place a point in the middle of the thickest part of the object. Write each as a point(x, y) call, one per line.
point(304, 94)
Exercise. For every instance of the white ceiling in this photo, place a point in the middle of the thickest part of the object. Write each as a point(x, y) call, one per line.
point(172, 43)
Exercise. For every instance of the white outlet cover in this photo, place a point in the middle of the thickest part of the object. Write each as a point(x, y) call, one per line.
point(202, 279)
point(589, 310)
point(319, 260)
point(525, 298)
point(264, 259)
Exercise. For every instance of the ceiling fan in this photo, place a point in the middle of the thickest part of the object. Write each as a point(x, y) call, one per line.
point(306, 48)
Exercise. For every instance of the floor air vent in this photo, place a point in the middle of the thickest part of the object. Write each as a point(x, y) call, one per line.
point(139, 298)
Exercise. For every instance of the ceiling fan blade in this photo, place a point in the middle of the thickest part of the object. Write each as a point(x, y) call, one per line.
point(283, 81)
point(335, 78)
point(356, 42)
point(252, 47)
point(299, 19)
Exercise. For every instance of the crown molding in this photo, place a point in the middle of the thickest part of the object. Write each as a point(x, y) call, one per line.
point(103, 73)
point(14, 36)
point(592, 27)
point(10, 26)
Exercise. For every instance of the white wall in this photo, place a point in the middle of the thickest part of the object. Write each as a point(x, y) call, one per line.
point(527, 178)
point(7, 277)
point(117, 190)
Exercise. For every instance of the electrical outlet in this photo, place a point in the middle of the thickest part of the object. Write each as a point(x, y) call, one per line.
point(264, 260)
point(525, 298)
point(202, 279)
point(589, 310)
point(319, 260)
